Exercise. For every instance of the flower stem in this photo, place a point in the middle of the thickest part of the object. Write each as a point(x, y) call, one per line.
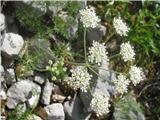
point(106, 70)
point(84, 42)
point(113, 56)
point(73, 63)
point(109, 37)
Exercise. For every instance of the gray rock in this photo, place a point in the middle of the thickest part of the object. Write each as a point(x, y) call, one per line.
point(1, 69)
point(40, 78)
point(20, 92)
point(104, 81)
point(96, 33)
point(1, 73)
point(74, 110)
point(47, 91)
point(3, 95)
point(55, 111)
point(86, 98)
point(40, 7)
point(34, 117)
point(10, 76)
point(12, 44)
point(55, 8)
point(2, 79)
point(2, 28)
point(33, 101)
point(37, 7)
point(42, 48)
point(2, 22)
point(73, 29)
point(11, 25)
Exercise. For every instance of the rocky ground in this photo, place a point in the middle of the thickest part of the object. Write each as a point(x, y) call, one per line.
point(47, 100)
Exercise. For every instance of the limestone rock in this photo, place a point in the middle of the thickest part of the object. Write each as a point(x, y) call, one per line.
point(3, 95)
point(39, 78)
point(1, 73)
point(12, 44)
point(33, 101)
point(20, 92)
point(2, 22)
point(10, 76)
point(96, 33)
point(47, 91)
point(2, 28)
point(55, 111)
point(34, 117)
point(74, 110)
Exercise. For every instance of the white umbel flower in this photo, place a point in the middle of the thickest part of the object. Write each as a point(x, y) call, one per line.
point(127, 52)
point(80, 78)
point(88, 17)
point(97, 53)
point(121, 84)
point(121, 28)
point(100, 103)
point(136, 75)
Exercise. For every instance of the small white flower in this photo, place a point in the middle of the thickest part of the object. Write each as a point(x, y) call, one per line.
point(97, 53)
point(100, 103)
point(120, 26)
point(121, 84)
point(88, 17)
point(80, 78)
point(136, 75)
point(127, 52)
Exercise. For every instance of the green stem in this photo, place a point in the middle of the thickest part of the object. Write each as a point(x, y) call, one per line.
point(106, 69)
point(113, 56)
point(81, 64)
point(109, 37)
point(101, 76)
point(92, 69)
point(85, 31)
point(38, 69)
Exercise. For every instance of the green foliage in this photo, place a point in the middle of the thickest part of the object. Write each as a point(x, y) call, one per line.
point(143, 19)
point(145, 29)
point(127, 108)
point(62, 25)
point(37, 55)
point(62, 49)
point(33, 22)
point(73, 7)
point(57, 70)
point(36, 22)
point(18, 114)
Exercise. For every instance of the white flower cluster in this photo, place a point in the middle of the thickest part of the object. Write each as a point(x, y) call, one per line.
point(121, 84)
point(120, 26)
point(80, 78)
point(127, 52)
point(97, 53)
point(88, 17)
point(136, 75)
point(100, 103)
